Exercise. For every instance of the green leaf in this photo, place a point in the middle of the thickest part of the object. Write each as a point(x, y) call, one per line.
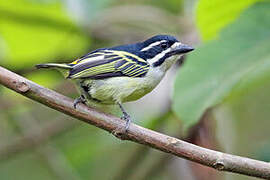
point(213, 15)
point(217, 68)
point(35, 31)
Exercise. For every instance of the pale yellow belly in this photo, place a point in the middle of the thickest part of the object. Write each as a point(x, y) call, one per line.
point(119, 89)
point(122, 89)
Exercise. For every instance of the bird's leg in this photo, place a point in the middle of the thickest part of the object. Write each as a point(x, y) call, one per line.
point(125, 117)
point(78, 100)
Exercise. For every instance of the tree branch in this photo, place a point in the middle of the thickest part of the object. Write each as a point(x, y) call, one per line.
point(207, 157)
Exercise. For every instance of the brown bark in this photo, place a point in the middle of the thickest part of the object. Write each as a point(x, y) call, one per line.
point(217, 160)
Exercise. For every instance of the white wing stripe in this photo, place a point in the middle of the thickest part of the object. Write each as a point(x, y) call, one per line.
point(91, 59)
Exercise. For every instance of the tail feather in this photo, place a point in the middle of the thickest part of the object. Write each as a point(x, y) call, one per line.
point(54, 65)
point(63, 68)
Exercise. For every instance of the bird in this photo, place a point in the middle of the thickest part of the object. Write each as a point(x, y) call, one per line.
point(119, 74)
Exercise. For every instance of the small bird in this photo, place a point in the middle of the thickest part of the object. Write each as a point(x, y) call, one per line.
point(123, 73)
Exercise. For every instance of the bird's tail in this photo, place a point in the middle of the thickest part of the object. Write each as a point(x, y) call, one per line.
point(54, 65)
point(63, 68)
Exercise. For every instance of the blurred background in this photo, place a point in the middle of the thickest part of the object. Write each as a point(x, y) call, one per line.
point(216, 97)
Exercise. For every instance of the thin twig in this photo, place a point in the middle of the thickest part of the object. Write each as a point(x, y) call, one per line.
point(34, 139)
point(218, 160)
point(157, 167)
point(54, 158)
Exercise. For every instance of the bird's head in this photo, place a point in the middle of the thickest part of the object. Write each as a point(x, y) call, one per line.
point(162, 50)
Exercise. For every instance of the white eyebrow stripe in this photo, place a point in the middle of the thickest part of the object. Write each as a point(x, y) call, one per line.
point(152, 45)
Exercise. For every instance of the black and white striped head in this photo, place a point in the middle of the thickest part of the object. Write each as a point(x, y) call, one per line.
point(161, 48)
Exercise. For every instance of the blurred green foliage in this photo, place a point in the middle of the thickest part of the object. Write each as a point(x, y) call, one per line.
point(38, 31)
point(213, 15)
point(228, 76)
point(34, 30)
point(238, 58)
point(227, 73)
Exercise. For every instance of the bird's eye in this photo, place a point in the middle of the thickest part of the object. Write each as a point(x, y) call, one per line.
point(164, 45)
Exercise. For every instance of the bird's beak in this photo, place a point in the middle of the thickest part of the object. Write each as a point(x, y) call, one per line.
point(179, 48)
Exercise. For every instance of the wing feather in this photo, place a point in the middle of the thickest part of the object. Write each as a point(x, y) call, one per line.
point(108, 63)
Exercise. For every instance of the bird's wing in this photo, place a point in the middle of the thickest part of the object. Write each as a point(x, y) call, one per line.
point(108, 63)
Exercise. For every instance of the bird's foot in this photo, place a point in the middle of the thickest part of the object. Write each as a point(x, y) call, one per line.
point(78, 100)
point(127, 118)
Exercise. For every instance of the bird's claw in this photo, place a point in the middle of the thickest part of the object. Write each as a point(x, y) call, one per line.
point(126, 117)
point(78, 100)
